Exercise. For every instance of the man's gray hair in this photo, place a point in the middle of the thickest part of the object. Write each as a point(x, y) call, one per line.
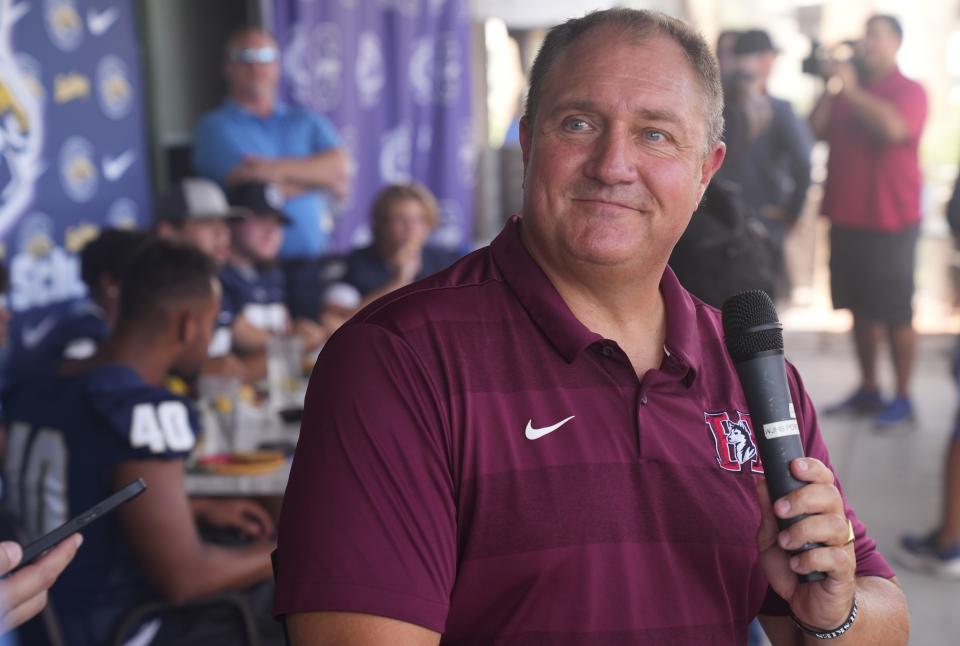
point(640, 25)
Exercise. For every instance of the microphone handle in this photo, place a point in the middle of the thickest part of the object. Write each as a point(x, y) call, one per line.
point(764, 380)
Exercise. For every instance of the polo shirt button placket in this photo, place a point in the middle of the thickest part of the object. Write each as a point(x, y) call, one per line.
point(643, 399)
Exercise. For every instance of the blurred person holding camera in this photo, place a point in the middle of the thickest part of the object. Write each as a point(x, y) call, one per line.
point(872, 117)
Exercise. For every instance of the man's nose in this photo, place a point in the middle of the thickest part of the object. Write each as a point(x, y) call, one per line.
point(614, 159)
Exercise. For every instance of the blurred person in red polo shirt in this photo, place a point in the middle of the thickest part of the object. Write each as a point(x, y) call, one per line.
point(872, 117)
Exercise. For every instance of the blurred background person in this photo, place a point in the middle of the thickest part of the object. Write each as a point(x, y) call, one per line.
point(402, 218)
point(255, 137)
point(773, 170)
point(872, 117)
point(254, 287)
point(77, 332)
point(114, 422)
point(196, 211)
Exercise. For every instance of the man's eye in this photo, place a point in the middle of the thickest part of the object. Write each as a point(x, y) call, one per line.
point(576, 125)
point(654, 135)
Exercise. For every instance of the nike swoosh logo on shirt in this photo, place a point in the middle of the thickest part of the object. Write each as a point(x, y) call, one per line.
point(34, 334)
point(536, 433)
point(100, 22)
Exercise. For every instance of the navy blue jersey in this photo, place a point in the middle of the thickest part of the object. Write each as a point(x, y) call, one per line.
point(222, 340)
point(67, 435)
point(259, 294)
point(40, 346)
point(367, 270)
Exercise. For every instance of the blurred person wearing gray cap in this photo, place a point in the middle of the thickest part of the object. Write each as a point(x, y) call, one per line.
point(196, 211)
point(253, 285)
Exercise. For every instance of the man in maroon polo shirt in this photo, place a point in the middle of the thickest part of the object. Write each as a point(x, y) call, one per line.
point(544, 443)
point(872, 117)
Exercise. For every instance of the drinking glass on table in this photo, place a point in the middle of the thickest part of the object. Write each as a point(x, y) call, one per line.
point(221, 395)
point(285, 373)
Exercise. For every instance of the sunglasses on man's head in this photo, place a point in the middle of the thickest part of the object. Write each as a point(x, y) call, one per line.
point(254, 55)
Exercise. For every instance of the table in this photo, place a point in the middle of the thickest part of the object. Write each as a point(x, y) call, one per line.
point(265, 484)
point(255, 427)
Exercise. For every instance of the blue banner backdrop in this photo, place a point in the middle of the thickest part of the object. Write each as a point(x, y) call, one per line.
point(393, 76)
point(73, 154)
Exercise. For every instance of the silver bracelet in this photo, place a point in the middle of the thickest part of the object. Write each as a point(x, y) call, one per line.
point(830, 634)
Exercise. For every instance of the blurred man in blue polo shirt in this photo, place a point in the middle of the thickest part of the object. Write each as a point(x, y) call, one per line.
point(255, 137)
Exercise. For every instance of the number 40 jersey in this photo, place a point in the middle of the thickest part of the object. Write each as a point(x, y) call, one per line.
point(66, 437)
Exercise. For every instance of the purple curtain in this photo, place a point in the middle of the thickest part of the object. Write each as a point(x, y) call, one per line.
point(393, 76)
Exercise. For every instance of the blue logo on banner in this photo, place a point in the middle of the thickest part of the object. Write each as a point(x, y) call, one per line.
point(114, 91)
point(64, 23)
point(123, 213)
point(78, 169)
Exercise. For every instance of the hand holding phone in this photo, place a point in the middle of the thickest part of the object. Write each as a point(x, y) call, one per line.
point(75, 524)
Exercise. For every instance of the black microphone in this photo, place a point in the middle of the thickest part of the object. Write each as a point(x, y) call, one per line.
point(754, 339)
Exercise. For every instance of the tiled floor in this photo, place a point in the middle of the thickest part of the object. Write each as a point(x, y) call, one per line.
point(893, 480)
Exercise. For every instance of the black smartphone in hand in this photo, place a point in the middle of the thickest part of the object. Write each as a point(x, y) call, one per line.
point(75, 524)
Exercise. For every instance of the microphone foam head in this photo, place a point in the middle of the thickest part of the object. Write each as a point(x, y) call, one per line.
point(750, 325)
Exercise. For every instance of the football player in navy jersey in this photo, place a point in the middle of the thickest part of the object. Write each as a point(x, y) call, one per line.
point(253, 285)
point(77, 331)
point(113, 422)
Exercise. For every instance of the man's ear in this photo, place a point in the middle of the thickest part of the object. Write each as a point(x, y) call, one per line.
point(526, 139)
point(186, 326)
point(711, 164)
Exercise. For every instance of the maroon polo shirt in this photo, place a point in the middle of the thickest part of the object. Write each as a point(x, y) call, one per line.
point(474, 460)
point(871, 184)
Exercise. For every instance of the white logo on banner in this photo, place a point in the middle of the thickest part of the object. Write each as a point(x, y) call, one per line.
point(116, 167)
point(436, 70)
point(64, 24)
point(123, 214)
point(314, 64)
point(396, 155)
point(450, 67)
point(371, 75)
point(421, 71)
point(114, 91)
point(100, 21)
point(42, 273)
point(78, 170)
point(424, 138)
point(467, 156)
point(32, 76)
point(449, 233)
point(21, 123)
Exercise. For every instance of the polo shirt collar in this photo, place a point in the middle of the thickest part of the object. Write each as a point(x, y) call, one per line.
point(565, 332)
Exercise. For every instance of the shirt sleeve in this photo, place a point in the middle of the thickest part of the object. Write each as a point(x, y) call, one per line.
point(369, 520)
point(325, 135)
point(911, 103)
point(869, 560)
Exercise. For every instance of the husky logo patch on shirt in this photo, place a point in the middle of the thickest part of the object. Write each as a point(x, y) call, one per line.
point(735, 443)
